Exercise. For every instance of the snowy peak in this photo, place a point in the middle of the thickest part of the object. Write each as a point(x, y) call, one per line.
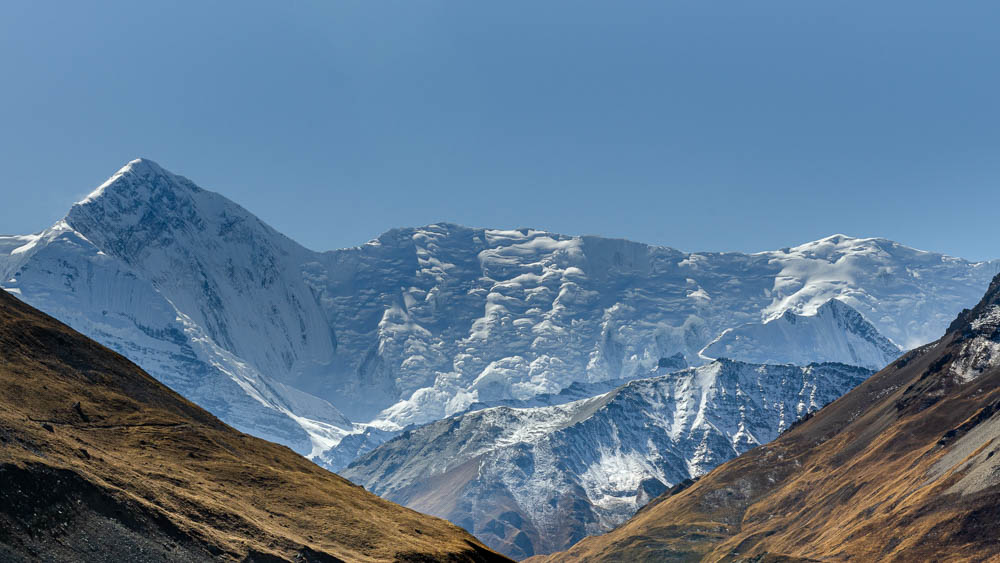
point(874, 276)
point(142, 204)
point(426, 322)
point(835, 333)
point(853, 323)
point(983, 320)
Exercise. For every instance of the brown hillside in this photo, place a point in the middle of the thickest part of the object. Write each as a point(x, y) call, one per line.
point(100, 462)
point(906, 467)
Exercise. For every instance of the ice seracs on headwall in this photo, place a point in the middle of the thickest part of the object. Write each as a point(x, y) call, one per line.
point(230, 273)
point(193, 288)
point(301, 346)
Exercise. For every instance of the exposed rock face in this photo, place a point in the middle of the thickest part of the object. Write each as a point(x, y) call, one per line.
point(903, 468)
point(977, 334)
point(535, 480)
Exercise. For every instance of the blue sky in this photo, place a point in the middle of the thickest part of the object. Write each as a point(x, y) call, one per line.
point(699, 125)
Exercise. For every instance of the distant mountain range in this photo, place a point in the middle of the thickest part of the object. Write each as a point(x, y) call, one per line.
point(536, 480)
point(902, 468)
point(334, 353)
point(299, 346)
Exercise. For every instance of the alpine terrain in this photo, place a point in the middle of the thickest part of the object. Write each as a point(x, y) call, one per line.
point(902, 468)
point(536, 480)
point(527, 339)
point(100, 462)
point(306, 348)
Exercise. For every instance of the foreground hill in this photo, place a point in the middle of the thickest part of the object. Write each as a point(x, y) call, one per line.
point(100, 462)
point(535, 480)
point(903, 468)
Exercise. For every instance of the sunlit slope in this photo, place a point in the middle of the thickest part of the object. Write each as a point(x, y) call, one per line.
point(100, 462)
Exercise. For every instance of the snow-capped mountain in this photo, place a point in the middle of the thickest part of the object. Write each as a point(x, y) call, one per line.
point(481, 316)
point(194, 289)
point(536, 480)
point(306, 347)
point(835, 332)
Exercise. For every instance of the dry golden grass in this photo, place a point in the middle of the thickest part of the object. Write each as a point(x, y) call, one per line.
point(70, 407)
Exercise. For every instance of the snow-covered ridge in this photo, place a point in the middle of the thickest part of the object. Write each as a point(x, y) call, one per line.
point(556, 473)
point(194, 289)
point(424, 322)
point(834, 332)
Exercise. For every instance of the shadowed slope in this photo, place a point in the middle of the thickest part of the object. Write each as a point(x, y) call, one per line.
point(903, 468)
point(100, 462)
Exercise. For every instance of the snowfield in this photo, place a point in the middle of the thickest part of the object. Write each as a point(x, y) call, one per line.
point(306, 348)
point(834, 332)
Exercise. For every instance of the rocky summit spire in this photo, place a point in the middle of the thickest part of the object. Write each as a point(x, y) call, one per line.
point(976, 321)
point(976, 334)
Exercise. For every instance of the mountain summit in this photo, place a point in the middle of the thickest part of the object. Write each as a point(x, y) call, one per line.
point(140, 171)
point(305, 347)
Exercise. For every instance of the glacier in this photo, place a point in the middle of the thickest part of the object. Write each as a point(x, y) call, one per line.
point(307, 348)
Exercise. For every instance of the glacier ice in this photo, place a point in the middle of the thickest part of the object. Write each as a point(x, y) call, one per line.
point(306, 347)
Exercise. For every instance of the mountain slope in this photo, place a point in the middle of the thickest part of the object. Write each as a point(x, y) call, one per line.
point(535, 480)
point(305, 347)
point(487, 315)
point(835, 332)
point(193, 288)
point(903, 468)
point(100, 462)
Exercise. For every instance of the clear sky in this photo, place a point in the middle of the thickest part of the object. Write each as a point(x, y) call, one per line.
point(699, 125)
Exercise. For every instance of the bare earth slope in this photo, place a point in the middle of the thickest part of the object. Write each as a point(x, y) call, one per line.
point(100, 462)
point(903, 468)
